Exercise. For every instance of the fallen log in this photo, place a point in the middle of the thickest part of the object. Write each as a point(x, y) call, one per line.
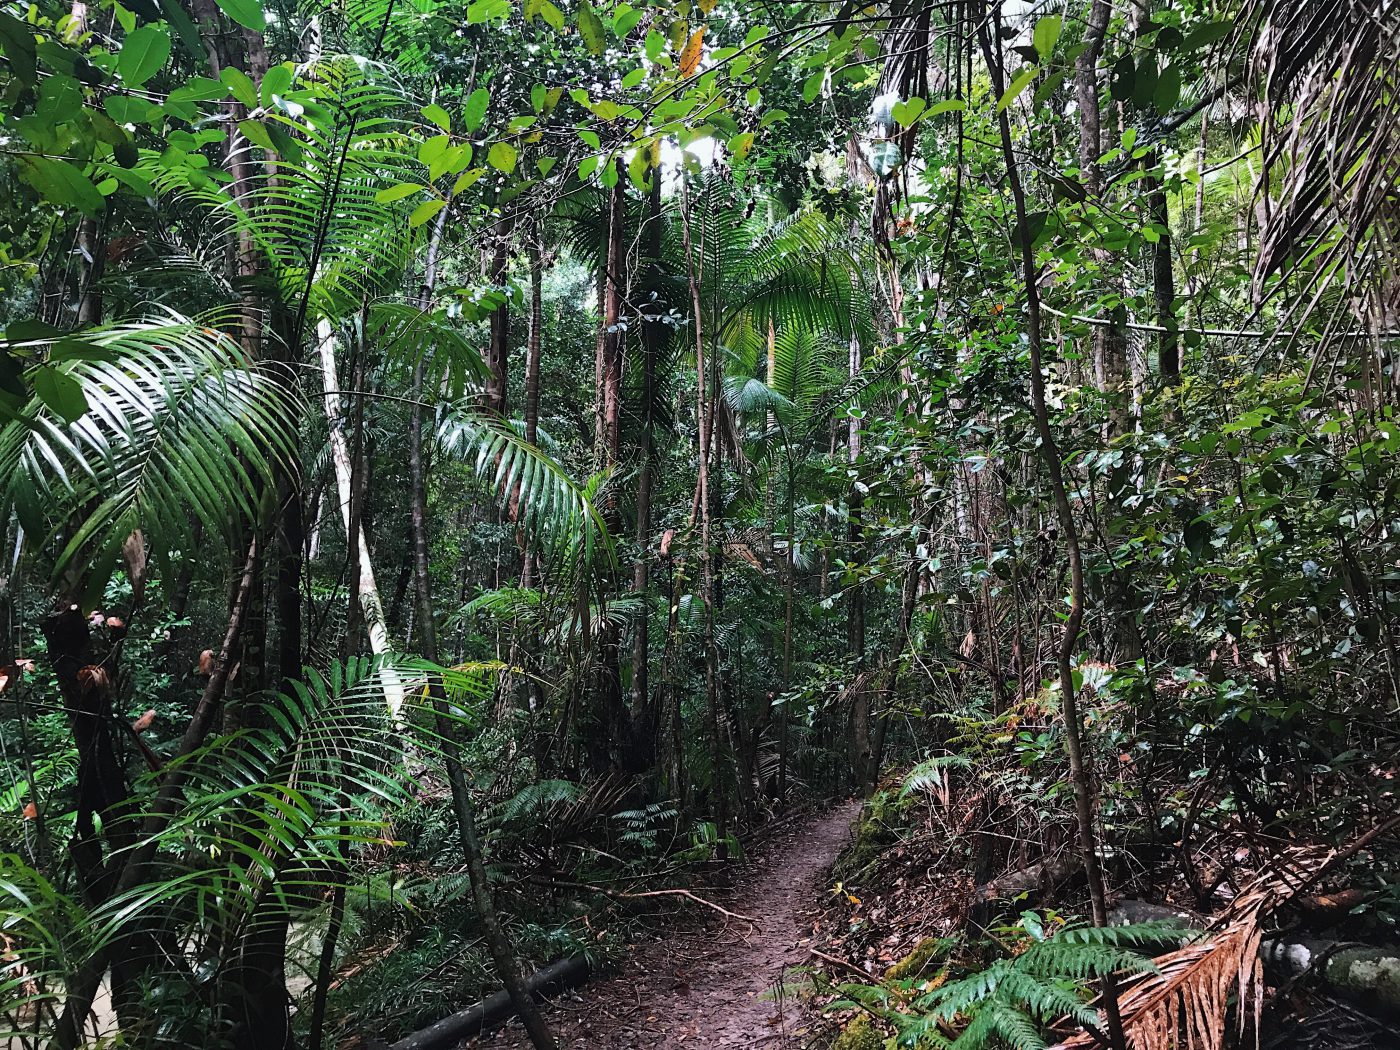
point(554, 978)
point(1365, 975)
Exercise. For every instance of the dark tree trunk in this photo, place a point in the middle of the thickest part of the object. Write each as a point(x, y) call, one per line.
point(1080, 775)
point(498, 348)
point(502, 954)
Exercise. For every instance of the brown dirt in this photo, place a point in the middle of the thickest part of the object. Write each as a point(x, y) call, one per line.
point(703, 986)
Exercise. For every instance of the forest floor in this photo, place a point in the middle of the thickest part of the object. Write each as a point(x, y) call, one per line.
point(710, 981)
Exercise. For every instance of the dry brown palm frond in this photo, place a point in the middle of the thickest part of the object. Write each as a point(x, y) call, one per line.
point(1186, 1004)
point(1328, 77)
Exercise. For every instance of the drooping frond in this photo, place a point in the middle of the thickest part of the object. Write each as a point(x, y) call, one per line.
point(551, 509)
point(1330, 184)
point(1189, 995)
point(179, 426)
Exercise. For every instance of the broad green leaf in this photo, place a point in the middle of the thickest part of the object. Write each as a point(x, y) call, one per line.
point(241, 86)
point(655, 44)
point(480, 11)
point(538, 97)
point(277, 81)
point(143, 54)
point(467, 180)
point(17, 40)
point(740, 145)
point(432, 149)
point(61, 392)
point(256, 133)
point(1018, 85)
point(544, 165)
point(247, 13)
point(437, 115)
point(1045, 35)
point(905, 113)
point(425, 211)
point(552, 15)
point(501, 156)
point(590, 28)
point(1168, 91)
point(1205, 35)
point(397, 193)
point(474, 112)
point(60, 182)
point(530, 10)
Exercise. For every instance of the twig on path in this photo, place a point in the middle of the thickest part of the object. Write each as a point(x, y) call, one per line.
point(840, 962)
point(653, 893)
point(684, 893)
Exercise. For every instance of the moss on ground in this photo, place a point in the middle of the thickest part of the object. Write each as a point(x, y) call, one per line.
point(860, 1034)
point(928, 952)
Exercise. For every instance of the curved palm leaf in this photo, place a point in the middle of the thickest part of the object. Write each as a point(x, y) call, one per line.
point(179, 426)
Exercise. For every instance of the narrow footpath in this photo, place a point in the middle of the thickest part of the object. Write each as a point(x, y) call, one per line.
point(704, 986)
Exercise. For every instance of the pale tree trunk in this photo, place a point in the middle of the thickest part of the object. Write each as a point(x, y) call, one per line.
point(855, 601)
point(367, 590)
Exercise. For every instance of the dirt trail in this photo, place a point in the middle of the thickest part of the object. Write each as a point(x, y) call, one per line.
point(701, 986)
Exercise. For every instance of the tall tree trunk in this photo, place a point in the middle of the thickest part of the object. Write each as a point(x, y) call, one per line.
point(366, 589)
point(1110, 344)
point(644, 712)
point(502, 953)
point(694, 275)
point(855, 600)
point(498, 348)
point(1164, 286)
point(1081, 776)
point(612, 746)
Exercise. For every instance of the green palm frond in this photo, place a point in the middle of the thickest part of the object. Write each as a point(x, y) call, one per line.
point(404, 334)
point(552, 510)
point(180, 426)
point(267, 809)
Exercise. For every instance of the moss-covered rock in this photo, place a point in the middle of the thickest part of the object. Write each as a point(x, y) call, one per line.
point(928, 953)
point(860, 1034)
point(874, 832)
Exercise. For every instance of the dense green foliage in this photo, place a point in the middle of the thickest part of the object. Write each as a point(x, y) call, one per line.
point(607, 425)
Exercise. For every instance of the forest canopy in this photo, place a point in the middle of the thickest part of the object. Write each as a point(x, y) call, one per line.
point(466, 467)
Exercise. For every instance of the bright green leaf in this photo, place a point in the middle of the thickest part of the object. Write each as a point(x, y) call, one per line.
point(1045, 35)
point(501, 156)
point(437, 115)
point(247, 13)
point(590, 28)
point(1018, 85)
point(397, 193)
point(61, 392)
point(474, 112)
point(425, 211)
point(143, 54)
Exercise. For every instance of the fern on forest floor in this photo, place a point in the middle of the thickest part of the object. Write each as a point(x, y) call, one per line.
point(1042, 978)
